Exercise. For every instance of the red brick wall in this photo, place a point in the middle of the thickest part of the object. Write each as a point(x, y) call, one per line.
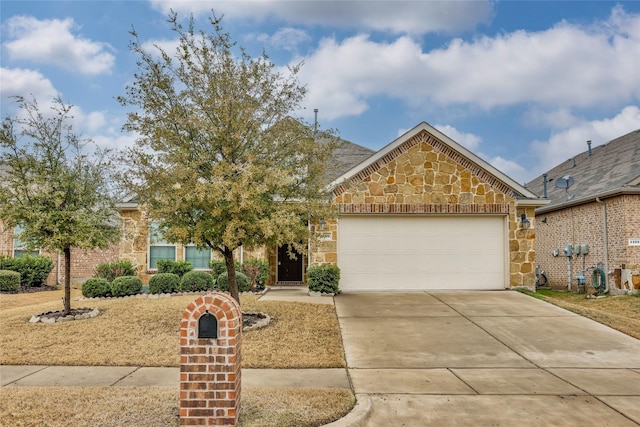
point(210, 367)
point(83, 262)
point(584, 224)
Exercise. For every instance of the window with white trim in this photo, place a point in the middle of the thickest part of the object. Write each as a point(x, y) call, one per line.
point(19, 247)
point(159, 247)
point(199, 258)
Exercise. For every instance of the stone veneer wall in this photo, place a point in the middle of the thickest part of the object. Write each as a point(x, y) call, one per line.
point(584, 224)
point(134, 244)
point(426, 177)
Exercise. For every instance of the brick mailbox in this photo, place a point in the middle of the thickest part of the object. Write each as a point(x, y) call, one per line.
point(210, 341)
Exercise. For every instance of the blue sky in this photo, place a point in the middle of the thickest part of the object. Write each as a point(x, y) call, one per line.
point(522, 84)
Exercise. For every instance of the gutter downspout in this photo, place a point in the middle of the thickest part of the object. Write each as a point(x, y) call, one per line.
point(606, 242)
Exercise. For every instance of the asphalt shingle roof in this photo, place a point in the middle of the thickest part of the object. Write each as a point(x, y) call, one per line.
point(611, 167)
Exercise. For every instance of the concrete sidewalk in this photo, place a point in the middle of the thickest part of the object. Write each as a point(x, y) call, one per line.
point(132, 376)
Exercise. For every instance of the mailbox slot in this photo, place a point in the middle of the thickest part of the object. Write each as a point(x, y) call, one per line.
point(207, 326)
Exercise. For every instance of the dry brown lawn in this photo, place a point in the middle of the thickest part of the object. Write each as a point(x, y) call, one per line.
point(158, 406)
point(144, 332)
point(621, 312)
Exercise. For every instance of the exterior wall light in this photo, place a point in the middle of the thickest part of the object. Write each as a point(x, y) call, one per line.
point(525, 222)
point(323, 224)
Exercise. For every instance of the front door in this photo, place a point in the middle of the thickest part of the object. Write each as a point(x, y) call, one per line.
point(289, 269)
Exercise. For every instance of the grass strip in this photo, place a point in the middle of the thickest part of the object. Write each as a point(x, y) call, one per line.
point(158, 406)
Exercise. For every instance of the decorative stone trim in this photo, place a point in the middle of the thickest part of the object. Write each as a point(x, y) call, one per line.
point(165, 295)
point(54, 316)
point(427, 138)
point(414, 208)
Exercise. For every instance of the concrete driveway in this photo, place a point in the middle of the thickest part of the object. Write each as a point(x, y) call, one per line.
point(486, 359)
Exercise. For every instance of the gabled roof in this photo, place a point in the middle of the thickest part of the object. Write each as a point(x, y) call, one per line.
point(610, 169)
point(425, 131)
point(346, 156)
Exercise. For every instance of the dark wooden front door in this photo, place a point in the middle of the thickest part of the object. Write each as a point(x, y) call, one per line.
point(289, 270)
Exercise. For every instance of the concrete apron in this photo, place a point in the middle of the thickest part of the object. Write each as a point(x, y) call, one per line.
point(486, 359)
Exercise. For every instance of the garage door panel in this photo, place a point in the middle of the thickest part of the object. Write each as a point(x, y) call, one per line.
point(379, 252)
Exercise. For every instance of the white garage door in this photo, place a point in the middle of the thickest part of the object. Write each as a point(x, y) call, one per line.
point(385, 252)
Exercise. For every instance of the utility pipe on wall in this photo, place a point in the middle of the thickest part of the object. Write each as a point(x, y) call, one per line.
point(605, 237)
point(569, 270)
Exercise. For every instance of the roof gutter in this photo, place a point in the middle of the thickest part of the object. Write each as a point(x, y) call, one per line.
point(620, 191)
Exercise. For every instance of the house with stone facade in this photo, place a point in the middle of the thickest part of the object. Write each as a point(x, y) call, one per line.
point(597, 215)
point(422, 213)
point(425, 213)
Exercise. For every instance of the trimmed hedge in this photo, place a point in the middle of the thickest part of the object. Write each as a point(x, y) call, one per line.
point(9, 281)
point(223, 282)
point(126, 285)
point(176, 267)
point(323, 278)
point(33, 270)
point(164, 283)
point(96, 287)
point(111, 270)
point(195, 281)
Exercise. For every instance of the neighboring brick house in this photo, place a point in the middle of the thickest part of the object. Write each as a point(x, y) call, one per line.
point(423, 213)
point(83, 262)
point(601, 209)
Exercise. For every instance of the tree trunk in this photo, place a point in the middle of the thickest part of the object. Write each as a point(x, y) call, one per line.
point(231, 272)
point(67, 280)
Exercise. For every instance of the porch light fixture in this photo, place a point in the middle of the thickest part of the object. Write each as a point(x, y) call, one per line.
point(525, 222)
point(323, 223)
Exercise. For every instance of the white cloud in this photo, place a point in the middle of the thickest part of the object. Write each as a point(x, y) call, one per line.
point(509, 167)
point(560, 118)
point(398, 17)
point(169, 46)
point(52, 41)
point(467, 140)
point(472, 142)
point(564, 67)
point(285, 38)
point(23, 82)
point(565, 144)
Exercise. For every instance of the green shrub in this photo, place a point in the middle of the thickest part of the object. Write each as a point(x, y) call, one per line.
point(111, 270)
point(164, 283)
point(323, 278)
point(195, 281)
point(96, 287)
point(257, 271)
point(33, 270)
point(223, 282)
point(126, 285)
point(176, 267)
point(218, 267)
point(9, 281)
